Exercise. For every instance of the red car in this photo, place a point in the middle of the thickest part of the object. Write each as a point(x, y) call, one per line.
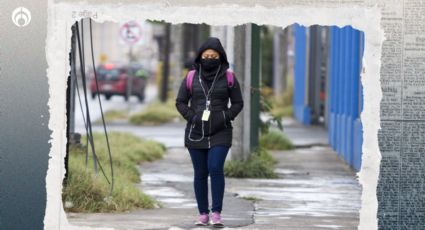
point(115, 80)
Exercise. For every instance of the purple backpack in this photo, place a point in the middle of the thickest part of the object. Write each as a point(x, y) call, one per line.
point(191, 74)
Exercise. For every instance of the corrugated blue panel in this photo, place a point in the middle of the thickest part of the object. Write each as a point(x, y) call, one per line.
point(345, 91)
point(334, 67)
point(358, 141)
point(340, 90)
point(340, 136)
point(330, 128)
point(301, 111)
point(345, 134)
point(331, 89)
point(348, 97)
point(354, 99)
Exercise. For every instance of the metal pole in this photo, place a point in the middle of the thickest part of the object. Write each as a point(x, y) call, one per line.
point(129, 76)
point(177, 70)
point(255, 84)
point(240, 127)
point(277, 62)
point(72, 85)
point(166, 68)
point(246, 141)
point(284, 58)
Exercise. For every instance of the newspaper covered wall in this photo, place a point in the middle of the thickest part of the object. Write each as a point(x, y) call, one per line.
point(400, 193)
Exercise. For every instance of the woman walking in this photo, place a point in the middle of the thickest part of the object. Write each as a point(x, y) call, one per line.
point(208, 133)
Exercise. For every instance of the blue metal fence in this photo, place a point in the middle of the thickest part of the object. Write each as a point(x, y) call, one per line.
point(345, 99)
point(301, 110)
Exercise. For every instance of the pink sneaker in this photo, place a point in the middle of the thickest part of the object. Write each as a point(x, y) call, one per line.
point(202, 220)
point(216, 220)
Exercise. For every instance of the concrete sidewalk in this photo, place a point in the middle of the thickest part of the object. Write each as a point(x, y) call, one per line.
point(170, 182)
point(315, 190)
point(304, 136)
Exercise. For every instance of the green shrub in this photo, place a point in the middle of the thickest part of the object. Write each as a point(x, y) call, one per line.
point(113, 115)
point(286, 111)
point(275, 140)
point(89, 192)
point(260, 164)
point(156, 113)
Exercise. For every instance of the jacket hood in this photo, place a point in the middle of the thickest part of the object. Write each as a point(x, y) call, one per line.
point(215, 44)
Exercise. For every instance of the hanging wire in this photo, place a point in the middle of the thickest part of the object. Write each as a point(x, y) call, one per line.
point(90, 137)
point(84, 118)
point(101, 109)
point(73, 60)
point(83, 71)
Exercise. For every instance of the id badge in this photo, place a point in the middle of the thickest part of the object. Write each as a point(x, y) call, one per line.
point(206, 115)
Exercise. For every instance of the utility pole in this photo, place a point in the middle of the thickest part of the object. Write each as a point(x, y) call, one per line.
point(247, 62)
point(166, 67)
point(240, 147)
point(280, 60)
point(130, 75)
point(72, 79)
point(284, 41)
point(255, 84)
point(177, 54)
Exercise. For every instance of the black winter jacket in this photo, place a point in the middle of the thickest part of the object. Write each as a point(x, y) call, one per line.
point(218, 129)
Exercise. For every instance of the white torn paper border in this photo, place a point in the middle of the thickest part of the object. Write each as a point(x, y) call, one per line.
point(58, 45)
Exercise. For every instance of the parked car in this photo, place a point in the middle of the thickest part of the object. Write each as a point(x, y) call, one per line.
point(114, 79)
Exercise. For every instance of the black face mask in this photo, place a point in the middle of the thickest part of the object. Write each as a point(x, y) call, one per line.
point(209, 64)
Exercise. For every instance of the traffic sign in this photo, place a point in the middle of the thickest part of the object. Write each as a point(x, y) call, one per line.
point(131, 32)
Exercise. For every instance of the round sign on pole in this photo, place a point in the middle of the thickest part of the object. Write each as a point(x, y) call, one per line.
point(131, 32)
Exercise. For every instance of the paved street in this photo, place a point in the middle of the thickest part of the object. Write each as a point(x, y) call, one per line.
point(115, 103)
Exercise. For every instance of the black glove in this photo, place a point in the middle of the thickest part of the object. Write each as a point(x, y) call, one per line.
point(195, 119)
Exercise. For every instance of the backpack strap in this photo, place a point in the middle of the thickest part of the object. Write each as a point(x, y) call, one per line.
point(230, 78)
point(189, 80)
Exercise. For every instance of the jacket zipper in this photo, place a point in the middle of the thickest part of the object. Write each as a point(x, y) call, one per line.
point(224, 119)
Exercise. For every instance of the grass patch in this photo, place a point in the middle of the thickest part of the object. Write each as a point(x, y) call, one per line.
point(251, 198)
point(155, 114)
point(113, 115)
point(285, 111)
point(260, 164)
point(275, 140)
point(89, 192)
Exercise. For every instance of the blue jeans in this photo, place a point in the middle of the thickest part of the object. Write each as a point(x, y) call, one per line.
point(209, 162)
